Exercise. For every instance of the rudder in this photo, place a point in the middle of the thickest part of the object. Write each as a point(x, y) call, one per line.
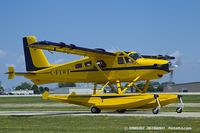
point(34, 58)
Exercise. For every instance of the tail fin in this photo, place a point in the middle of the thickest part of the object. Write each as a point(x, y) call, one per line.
point(34, 58)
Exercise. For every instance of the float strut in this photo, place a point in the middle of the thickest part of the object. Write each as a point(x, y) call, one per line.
point(156, 110)
point(179, 109)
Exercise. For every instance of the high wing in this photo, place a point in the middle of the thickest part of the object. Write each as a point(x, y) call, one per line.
point(71, 49)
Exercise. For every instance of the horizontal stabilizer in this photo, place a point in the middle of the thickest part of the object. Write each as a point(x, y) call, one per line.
point(45, 95)
point(11, 72)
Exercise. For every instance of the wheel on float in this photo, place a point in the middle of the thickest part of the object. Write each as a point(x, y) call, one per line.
point(95, 110)
point(121, 110)
point(155, 111)
point(179, 110)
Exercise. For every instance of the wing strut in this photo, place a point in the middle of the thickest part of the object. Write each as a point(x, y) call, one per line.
point(102, 88)
point(97, 66)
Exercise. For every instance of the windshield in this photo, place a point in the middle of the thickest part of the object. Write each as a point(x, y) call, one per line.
point(135, 56)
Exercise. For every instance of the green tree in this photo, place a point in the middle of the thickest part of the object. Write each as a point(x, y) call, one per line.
point(24, 86)
point(43, 89)
point(1, 88)
point(161, 88)
point(165, 84)
point(150, 88)
point(140, 86)
point(64, 84)
point(35, 89)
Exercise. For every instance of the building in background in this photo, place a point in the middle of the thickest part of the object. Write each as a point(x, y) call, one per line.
point(21, 92)
point(183, 87)
point(69, 90)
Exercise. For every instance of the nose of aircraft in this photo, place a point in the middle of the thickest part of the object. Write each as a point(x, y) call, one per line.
point(167, 66)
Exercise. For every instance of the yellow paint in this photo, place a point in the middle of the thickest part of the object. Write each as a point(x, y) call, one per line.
point(164, 99)
point(67, 72)
point(90, 69)
point(11, 72)
point(115, 101)
point(102, 88)
point(38, 57)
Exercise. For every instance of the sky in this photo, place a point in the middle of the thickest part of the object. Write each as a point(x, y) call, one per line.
point(146, 26)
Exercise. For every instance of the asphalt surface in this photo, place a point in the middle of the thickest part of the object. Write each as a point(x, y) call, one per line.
point(115, 114)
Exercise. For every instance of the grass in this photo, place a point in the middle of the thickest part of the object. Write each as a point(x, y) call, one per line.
point(185, 109)
point(191, 99)
point(23, 100)
point(97, 124)
point(46, 108)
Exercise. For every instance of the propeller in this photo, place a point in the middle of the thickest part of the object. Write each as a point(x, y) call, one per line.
point(171, 77)
point(177, 62)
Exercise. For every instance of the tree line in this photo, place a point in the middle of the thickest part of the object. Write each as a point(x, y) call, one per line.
point(153, 86)
point(36, 89)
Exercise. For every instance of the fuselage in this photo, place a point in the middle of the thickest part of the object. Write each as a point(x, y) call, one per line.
point(102, 70)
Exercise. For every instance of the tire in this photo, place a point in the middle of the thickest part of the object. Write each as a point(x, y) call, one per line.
point(95, 110)
point(155, 111)
point(179, 110)
point(121, 110)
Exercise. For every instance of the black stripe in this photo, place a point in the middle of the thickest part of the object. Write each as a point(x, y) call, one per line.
point(104, 97)
point(164, 67)
point(165, 57)
point(107, 97)
point(71, 46)
point(28, 59)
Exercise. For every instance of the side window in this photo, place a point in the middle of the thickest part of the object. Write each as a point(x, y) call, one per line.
point(101, 63)
point(120, 60)
point(88, 64)
point(78, 65)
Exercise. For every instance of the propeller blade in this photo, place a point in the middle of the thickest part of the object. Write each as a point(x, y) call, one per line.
point(178, 59)
point(171, 76)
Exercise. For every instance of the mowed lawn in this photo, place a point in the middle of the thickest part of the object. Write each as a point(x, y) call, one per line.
point(23, 100)
point(92, 124)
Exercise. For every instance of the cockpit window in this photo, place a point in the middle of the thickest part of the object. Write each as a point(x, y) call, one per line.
point(135, 56)
point(128, 60)
point(120, 60)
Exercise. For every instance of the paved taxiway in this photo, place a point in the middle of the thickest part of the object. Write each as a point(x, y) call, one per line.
point(86, 113)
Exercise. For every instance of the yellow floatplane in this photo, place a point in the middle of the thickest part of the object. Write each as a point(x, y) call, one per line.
point(99, 67)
